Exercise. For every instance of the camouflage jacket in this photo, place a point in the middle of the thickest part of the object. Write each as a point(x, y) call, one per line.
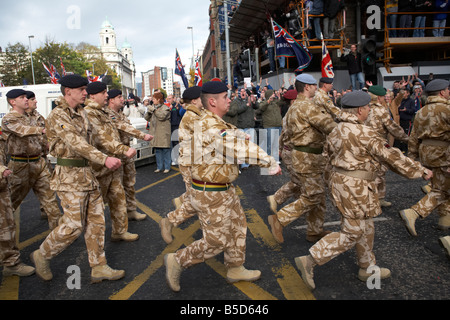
point(431, 122)
point(321, 98)
point(186, 129)
point(69, 134)
point(380, 120)
point(105, 136)
point(39, 121)
point(355, 146)
point(22, 139)
point(307, 125)
point(3, 167)
point(218, 150)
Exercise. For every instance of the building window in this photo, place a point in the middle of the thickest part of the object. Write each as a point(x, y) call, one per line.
point(107, 40)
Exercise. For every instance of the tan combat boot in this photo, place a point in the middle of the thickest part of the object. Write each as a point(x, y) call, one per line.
point(105, 272)
point(445, 243)
point(127, 236)
point(166, 230)
point(276, 228)
point(317, 237)
point(384, 203)
point(426, 188)
point(241, 274)
point(306, 266)
point(42, 265)
point(409, 216)
point(363, 275)
point(444, 222)
point(272, 203)
point(134, 215)
point(173, 271)
point(177, 202)
point(20, 269)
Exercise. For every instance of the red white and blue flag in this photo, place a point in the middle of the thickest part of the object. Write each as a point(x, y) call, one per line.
point(287, 46)
point(52, 76)
point(92, 78)
point(198, 74)
point(179, 70)
point(327, 65)
point(63, 68)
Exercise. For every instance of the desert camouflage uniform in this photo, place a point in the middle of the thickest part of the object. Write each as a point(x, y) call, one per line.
point(292, 188)
point(69, 134)
point(9, 253)
point(186, 129)
point(217, 152)
point(322, 99)
point(30, 170)
point(307, 126)
point(380, 120)
point(430, 142)
point(106, 138)
point(356, 153)
point(128, 168)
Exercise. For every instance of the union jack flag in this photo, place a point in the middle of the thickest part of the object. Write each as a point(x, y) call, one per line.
point(287, 46)
point(179, 70)
point(52, 76)
point(198, 74)
point(327, 65)
point(62, 67)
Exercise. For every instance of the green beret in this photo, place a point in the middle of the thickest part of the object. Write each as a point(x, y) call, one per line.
point(377, 90)
point(355, 99)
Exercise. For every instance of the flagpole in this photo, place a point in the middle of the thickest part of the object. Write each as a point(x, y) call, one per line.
point(275, 52)
point(227, 41)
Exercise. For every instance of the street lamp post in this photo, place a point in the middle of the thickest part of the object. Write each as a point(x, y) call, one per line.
point(192, 35)
point(31, 53)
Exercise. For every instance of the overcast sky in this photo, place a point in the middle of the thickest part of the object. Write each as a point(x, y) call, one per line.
point(153, 28)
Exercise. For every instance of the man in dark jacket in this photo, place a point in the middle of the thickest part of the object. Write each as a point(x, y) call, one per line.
point(354, 66)
point(246, 115)
point(406, 110)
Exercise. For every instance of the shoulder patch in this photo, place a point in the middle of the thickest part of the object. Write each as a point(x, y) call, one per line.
point(223, 132)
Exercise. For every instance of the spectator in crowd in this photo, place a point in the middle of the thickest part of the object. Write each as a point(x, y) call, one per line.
point(317, 9)
point(392, 7)
point(354, 66)
point(405, 19)
point(330, 10)
point(246, 106)
point(270, 110)
point(440, 19)
point(420, 19)
point(158, 115)
point(406, 112)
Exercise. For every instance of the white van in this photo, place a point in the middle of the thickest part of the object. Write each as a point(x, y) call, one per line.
point(46, 94)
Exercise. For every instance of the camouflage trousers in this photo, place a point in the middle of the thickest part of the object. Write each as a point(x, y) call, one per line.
point(354, 232)
point(224, 227)
point(113, 194)
point(310, 202)
point(380, 181)
point(83, 211)
point(128, 175)
point(186, 210)
point(9, 253)
point(292, 188)
point(36, 176)
point(438, 197)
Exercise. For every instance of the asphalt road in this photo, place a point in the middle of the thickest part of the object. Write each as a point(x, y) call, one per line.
point(419, 266)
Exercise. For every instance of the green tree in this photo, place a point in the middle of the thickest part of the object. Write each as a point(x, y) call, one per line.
point(16, 67)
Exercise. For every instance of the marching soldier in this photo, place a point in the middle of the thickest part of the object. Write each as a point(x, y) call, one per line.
point(106, 138)
point(430, 142)
point(322, 99)
point(356, 152)
point(306, 126)
point(191, 118)
point(380, 120)
point(219, 210)
point(24, 144)
point(69, 134)
point(9, 253)
point(128, 169)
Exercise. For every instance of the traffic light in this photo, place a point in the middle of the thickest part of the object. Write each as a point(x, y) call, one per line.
point(245, 63)
point(369, 56)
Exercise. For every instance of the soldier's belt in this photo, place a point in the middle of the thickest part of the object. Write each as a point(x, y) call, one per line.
point(25, 158)
point(308, 149)
point(79, 163)
point(210, 186)
point(434, 142)
point(359, 174)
